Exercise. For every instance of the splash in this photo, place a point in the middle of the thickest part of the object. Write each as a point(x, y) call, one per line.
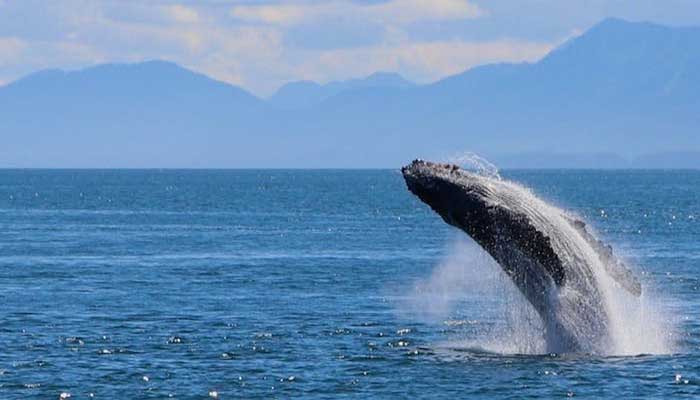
point(596, 309)
point(473, 162)
point(471, 297)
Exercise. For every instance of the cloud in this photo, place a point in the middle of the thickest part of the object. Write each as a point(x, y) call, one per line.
point(180, 13)
point(11, 45)
point(420, 61)
point(282, 14)
point(390, 12)
point(10, 49)
point(408, 11)
point(254, 45)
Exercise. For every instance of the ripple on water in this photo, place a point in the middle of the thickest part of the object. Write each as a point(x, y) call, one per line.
point(216, 291)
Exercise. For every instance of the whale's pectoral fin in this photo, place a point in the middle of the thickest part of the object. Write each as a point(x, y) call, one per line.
point(623, 276)
point(613, 266)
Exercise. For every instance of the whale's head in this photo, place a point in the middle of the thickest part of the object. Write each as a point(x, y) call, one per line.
point(460, 197)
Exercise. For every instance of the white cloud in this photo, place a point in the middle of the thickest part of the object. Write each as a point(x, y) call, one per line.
point(10, 49)
point(11, 45)
point(283, 14)
point(421, 61)
point(407, 11)
point(390, 12)
point(180, 13)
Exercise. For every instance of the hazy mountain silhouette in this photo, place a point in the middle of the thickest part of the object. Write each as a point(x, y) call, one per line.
point(624, 88)
point(304, 94)
point(147, 114)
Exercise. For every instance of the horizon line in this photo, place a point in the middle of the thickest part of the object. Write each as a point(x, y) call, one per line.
point(4, 169)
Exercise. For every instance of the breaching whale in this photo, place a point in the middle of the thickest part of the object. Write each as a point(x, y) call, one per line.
point(551, 257)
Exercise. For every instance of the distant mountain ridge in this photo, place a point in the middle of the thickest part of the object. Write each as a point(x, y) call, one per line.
point(626, 88)
point(304, 94)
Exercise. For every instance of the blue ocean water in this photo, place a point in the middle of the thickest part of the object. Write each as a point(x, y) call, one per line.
point(315, 284)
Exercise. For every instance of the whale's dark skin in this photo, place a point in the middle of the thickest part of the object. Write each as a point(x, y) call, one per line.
point(539, 247)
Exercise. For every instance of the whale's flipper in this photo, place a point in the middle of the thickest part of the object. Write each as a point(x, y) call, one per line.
point(613, 266)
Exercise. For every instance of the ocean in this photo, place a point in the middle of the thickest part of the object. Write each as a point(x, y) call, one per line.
point(195, 284)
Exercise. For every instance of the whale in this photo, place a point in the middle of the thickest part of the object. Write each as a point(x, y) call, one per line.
point(551, 256)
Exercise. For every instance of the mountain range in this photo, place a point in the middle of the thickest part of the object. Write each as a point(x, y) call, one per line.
point(305, 94)
point(623, 94)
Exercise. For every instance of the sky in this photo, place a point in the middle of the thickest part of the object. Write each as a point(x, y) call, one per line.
point(261, 45)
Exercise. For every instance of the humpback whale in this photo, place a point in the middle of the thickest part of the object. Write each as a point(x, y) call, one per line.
point(552, 257)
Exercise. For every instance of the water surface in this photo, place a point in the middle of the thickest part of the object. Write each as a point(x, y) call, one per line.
point(277, 284)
